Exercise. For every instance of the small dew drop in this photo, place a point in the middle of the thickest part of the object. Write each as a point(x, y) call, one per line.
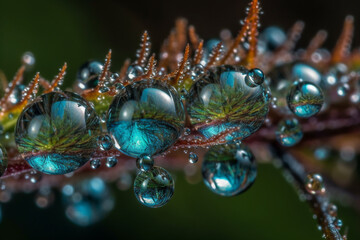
point(111, 162)
point(193, 157)
point(95, 164)
point(145, 163)
point(314, 184)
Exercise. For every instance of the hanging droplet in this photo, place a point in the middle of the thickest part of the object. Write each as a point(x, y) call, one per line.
point(88, 201)
point(197, 71)
point(146, 118)
point(314, 184)
point(57, 133)
point(145, 163)
point(34, 177)
point(254, 77)
point(305, 99)
point(95, 163)
point(3, 160)
point(221, 100)
point(111, 162)
point(105, 142)
point(193, 157)
point(154, 188)
point(343, 90)
point(289, 132)
point(228, 169)
point(17, 94)
point(88, 74)
point(134, 71)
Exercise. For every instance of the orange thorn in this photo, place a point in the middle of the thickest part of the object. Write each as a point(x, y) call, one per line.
point(293, 36)
point(57, 80)
point(181, 26)
point(3, 80)
point(315, 43)
point(31, 90)
point(123, 70)
point(343, 45)
point(194, 38)
point(17, 79)
point(182, 65)
point(214, 55)
point(143, 52)
point(105, 71)
point(253, 18)
point(199, 52)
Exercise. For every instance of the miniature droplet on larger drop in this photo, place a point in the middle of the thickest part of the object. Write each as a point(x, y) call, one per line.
point(3, 160)
point(229, 169)
point(254, 77)
point(154, 188)
point(305, 99)
point(289, 132)
point(88, 201)
point(314, 184)
point(57, 132)
point(146, 118)
point(105, 142)
point(221, 100)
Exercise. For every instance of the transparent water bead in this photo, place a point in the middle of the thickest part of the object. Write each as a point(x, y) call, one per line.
point(193, 157)
point(145, 118)
point(229, 169)
point(87, 75)
point(134, 71)
point(111, 162)
point(17, 94)
point(88, 201)
point(95, 164)
point(221, 100)
point(145, 163)
point(314, 184)
point(280, 80)
point(105, 142)
point(3, 160)
point(57, 132)
point(271, 38)
point(254, 77)
point(305, 99)
point(289, 132)
point(154, 188)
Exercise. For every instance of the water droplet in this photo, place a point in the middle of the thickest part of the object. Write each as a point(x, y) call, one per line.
point(228, 169)
point(87, 75)
point(281, 78)
point(193, 157)
point(271, 38)
point(105, 142)
point(305, 99)
point(254, 77)
point(343, 90)
point(321, 153)
point(95, 164)
point(146, 118)
point(44, 198)
point(35, 177)
point(314, 184)
point(197, 71)
point(111, 162)
point(28, 59)
point(221, 100)
point(154, 188)
point(289, 132)
point(3, 160)
point(16, 95)
point(338, 223)
point(134, 71)
point(332, 209)
point(57, 133)
point(145, 163)
point(90, 201)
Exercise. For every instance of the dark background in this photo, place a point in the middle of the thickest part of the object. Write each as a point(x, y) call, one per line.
point(75, 31)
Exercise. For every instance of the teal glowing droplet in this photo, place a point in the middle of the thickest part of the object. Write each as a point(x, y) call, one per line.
point(57, 132)
point(305, 99)
point(3, 160)
point(289, 132)
point(145, 163)
point(145, 118)
point(229, 169)
point(88, 201)
point(154, 188)
point(221, 100)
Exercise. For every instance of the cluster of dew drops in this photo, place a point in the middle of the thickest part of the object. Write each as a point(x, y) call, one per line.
point(154, 186)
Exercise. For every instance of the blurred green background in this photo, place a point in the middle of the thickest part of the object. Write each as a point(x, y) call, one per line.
point(75, 31)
